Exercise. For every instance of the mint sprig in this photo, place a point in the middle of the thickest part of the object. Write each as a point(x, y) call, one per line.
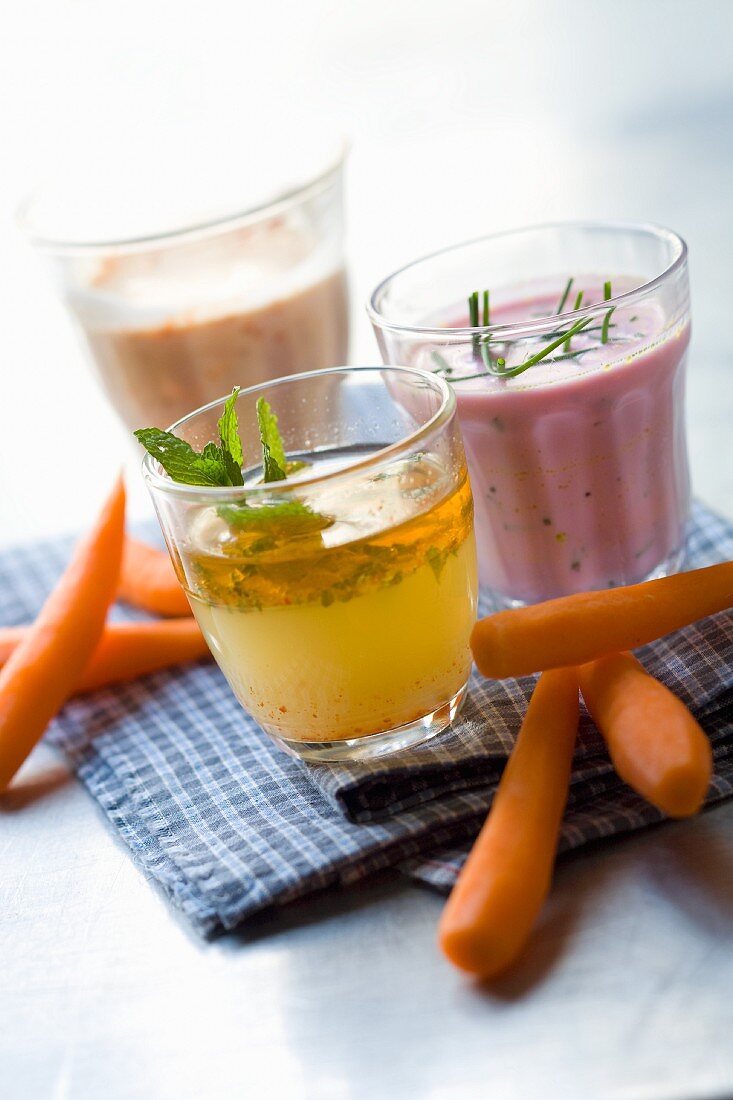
point(292, 517)
point(273, 454)
point(181, 462)
point(221, 464)
point(216, 465)
point(231, 444)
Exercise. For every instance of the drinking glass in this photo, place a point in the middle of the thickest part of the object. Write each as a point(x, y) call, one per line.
point(232, 296)
point(578, 462)
point(338, 602)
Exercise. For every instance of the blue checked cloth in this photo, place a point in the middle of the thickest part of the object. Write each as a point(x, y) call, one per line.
point(228, 825)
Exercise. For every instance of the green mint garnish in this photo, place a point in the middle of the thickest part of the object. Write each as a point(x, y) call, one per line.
point(221, 464)
point(231, 444)
point(181, 462)
point(437, 559)
point(273, 455)
point(216, 465)
point(291, 517)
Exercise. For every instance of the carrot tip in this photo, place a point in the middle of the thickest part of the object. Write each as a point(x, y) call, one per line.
point(682, 795)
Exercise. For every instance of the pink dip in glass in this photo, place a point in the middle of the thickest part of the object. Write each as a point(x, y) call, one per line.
point(578, 466)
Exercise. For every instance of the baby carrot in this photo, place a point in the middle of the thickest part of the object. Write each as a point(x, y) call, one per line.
point(148, 580)
point(655, 744)
point(506, 878)
point(42, 671)
point(127, 651)
point(576, 629)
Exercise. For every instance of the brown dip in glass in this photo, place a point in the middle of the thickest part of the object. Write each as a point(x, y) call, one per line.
point(175, 320)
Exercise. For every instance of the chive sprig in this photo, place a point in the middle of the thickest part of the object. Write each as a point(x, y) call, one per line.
point(479, 304)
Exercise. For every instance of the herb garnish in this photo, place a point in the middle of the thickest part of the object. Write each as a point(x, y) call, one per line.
point(437, 559)
point(273, 454)
point(215, 465)
point(231, 444)
point(275, 466)
point(578, 303)
point(473, 320)
point(497, 368)
point(221, 464)
point(473, 303)
point(607, 318)
point(565, 294)
point(292, 517)
point(443, 363)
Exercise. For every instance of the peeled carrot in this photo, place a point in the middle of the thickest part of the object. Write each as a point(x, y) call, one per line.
point(41, 673)
point(148, 580)
point(10, 637)
point(505, 880)
point(127, 650)
point(655, 744)
point(576, 629)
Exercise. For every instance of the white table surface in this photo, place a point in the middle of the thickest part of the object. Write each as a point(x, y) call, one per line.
point(464, 117)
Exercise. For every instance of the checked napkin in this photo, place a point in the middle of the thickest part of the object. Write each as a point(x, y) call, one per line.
point(228, 825)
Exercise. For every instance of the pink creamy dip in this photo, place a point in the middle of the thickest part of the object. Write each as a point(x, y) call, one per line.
point(578, 467)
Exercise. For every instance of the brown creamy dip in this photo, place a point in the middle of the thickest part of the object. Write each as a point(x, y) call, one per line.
point(173, 329)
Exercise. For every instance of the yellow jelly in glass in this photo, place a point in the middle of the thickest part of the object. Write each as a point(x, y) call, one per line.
point(339, 603)
point(335, 634)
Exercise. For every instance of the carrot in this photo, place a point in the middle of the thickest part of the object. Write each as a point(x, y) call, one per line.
point(148, 580)
point(505, 880)
point(42, 671)
point(655, 744)
point(127, 650)
point(576, 629)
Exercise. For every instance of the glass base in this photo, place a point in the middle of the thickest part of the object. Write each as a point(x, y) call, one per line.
point(377, 744)
point(671, 564)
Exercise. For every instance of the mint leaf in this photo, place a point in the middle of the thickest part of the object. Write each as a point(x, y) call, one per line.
point(221, 464)
point(436, 559)
point(216, 465)
point(273, 453)
point(180, 461)
point(213, 453)
point(231, 445)
point(222, 456)
point(287, 518)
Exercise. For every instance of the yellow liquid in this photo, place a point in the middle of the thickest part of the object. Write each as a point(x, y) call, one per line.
point(330, 642)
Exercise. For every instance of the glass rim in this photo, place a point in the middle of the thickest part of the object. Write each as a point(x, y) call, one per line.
point(535, 325)
point(165, 484)
point(279, 202)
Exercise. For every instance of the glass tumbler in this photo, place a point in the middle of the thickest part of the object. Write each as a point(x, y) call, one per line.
point(338, 602)
point(175, 316)
point(568, 364)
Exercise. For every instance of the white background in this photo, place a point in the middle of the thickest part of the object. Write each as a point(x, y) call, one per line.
point(464, 117)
